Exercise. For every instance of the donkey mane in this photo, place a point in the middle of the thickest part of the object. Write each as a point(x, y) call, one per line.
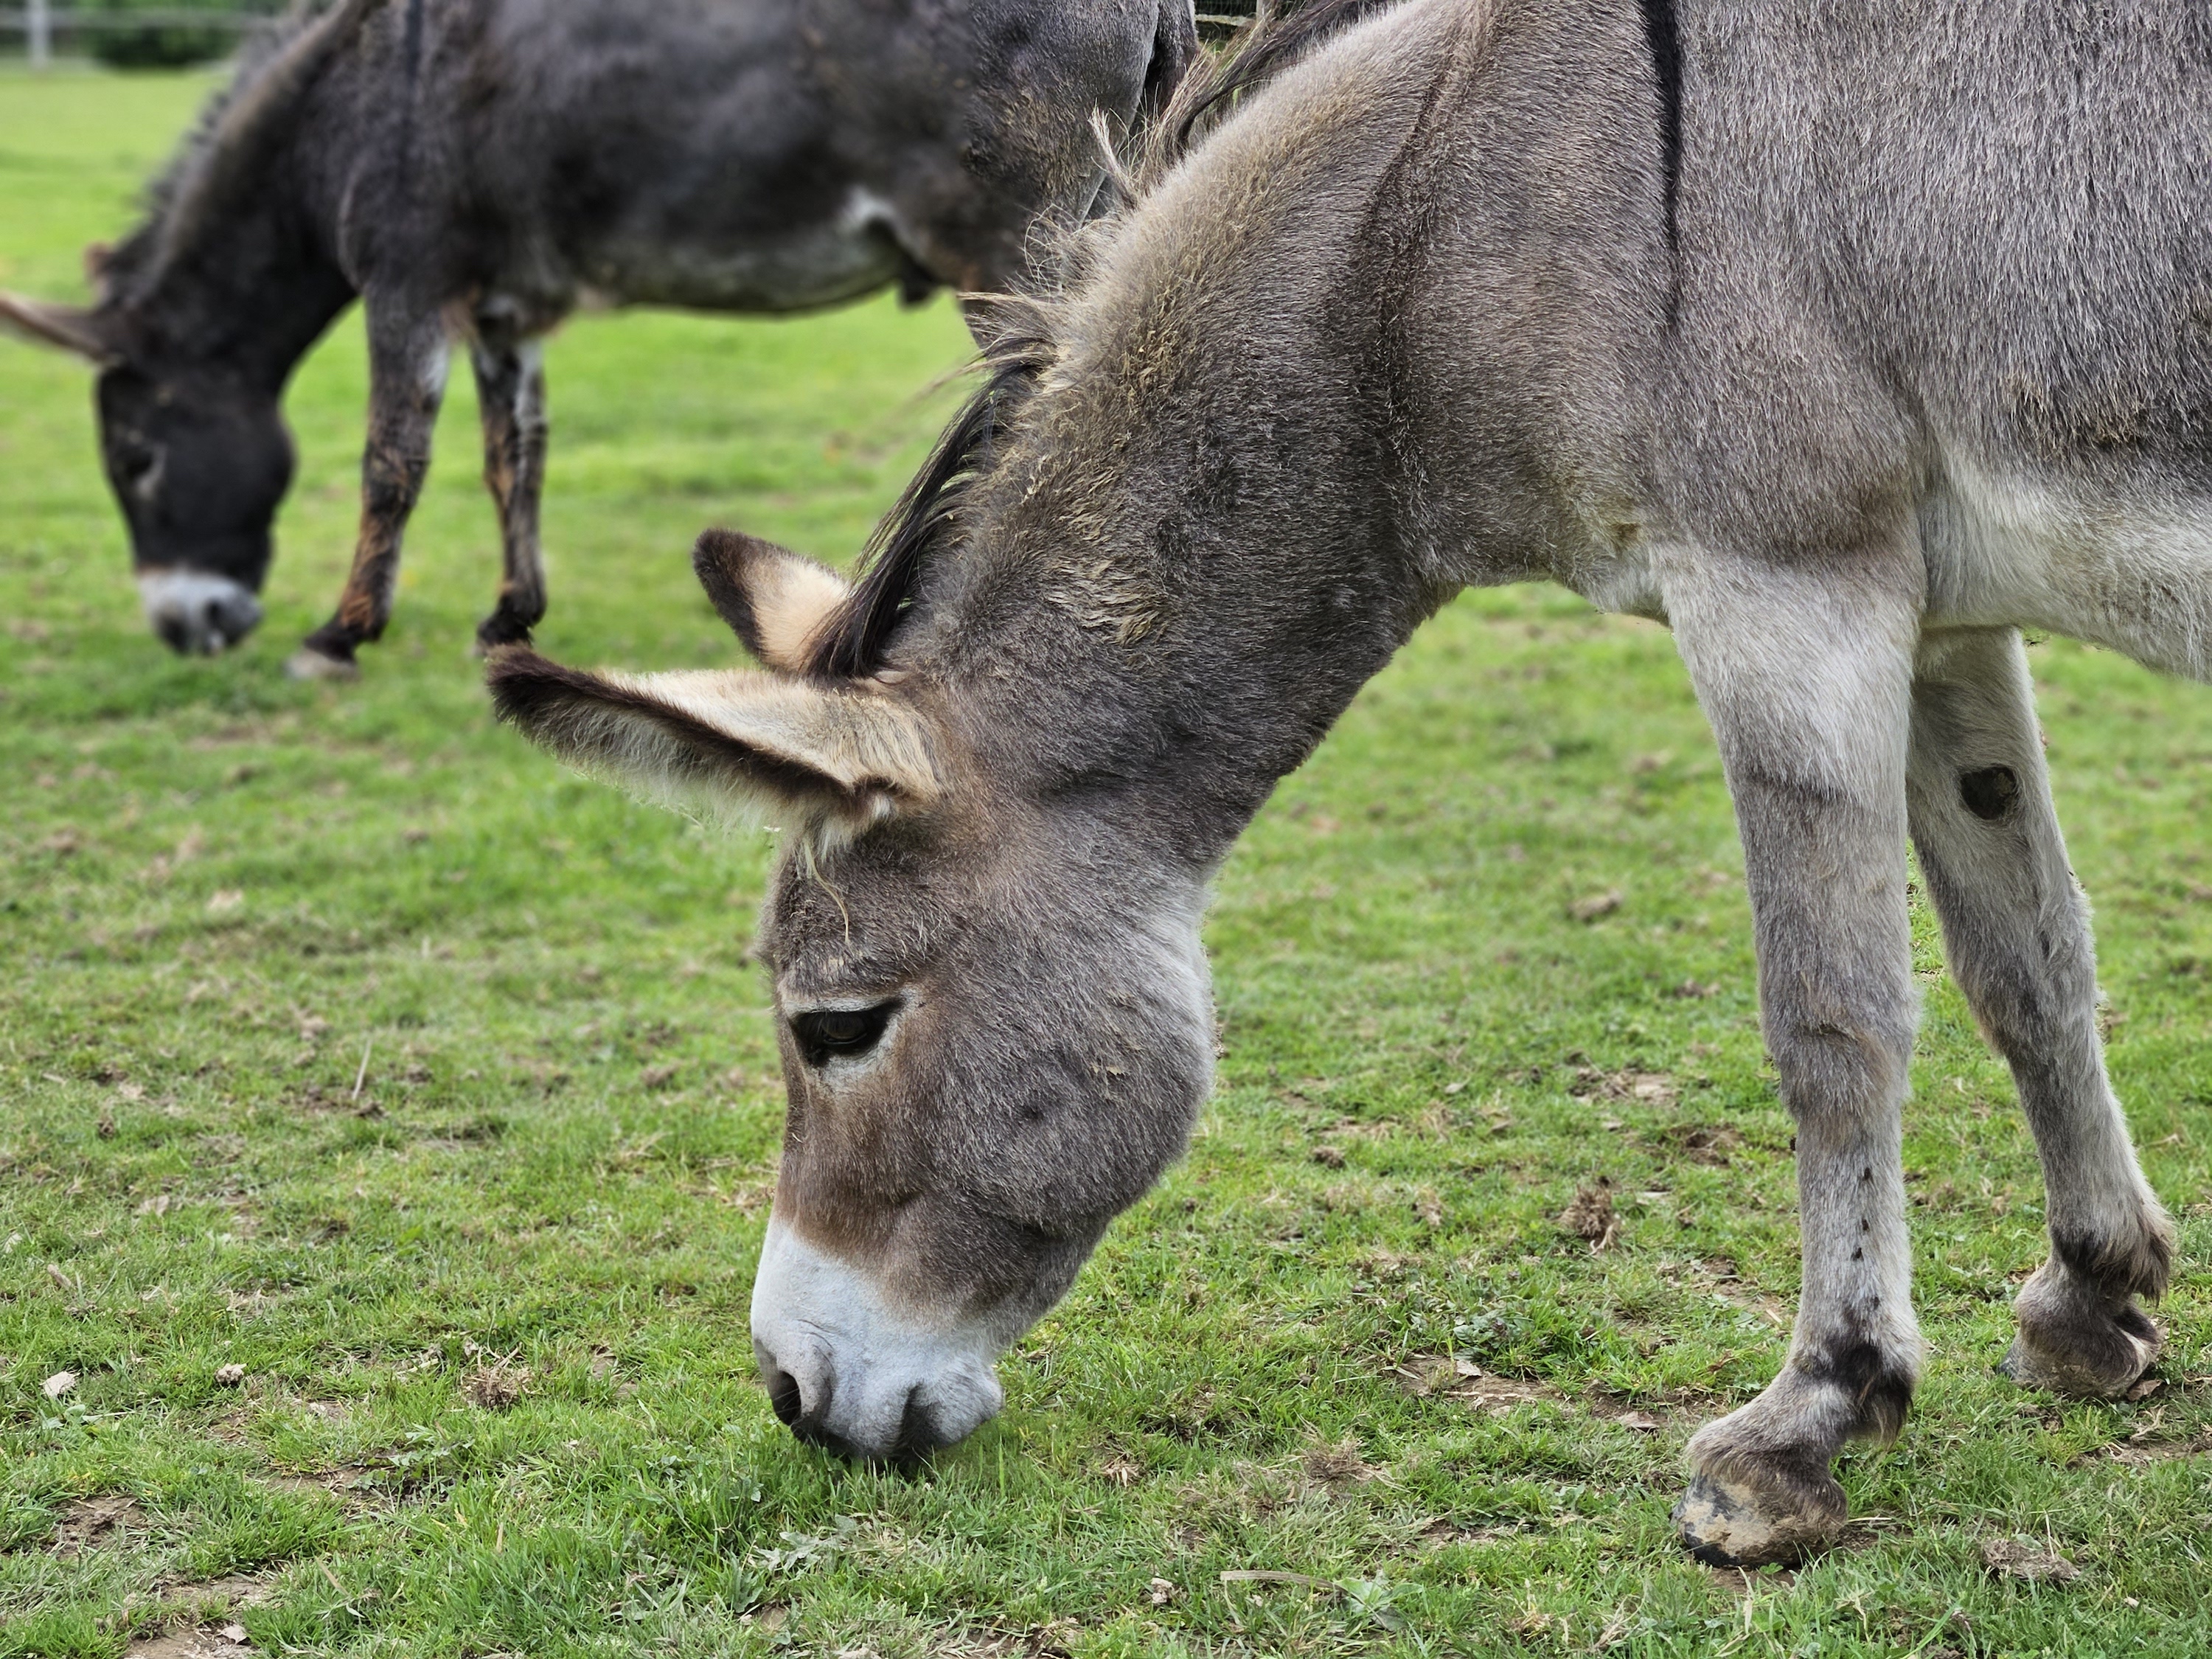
point(262, 50)
point(853, 640)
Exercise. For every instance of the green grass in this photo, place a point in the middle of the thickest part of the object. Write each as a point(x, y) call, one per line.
point(219, 891)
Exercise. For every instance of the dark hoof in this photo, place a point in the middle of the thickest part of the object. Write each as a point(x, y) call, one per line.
point(2074, 1342)
point(1732, 1523)
point(2086, 1363)
point(496, 631)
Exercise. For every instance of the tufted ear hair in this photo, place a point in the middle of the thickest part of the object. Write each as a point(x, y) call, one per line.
point(774, 600)
point(72, 328)
point(727, 743)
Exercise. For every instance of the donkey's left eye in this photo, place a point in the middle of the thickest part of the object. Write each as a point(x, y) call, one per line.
point(827, 1032)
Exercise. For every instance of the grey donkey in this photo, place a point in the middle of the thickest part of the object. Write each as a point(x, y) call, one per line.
point(479, 168)
point(1847, 340)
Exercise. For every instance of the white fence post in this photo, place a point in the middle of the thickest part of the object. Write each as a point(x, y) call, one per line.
point(41, 31)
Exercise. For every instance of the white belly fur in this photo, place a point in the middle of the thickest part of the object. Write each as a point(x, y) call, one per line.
point(2137, 579)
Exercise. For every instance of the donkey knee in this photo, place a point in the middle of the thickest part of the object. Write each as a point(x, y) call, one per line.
point(1843, 1063)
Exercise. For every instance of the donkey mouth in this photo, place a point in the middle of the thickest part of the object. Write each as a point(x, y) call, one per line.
point(920, 1429)
point(197, 614)
point(850, 1374)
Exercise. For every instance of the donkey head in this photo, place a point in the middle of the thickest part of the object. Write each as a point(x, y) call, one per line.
point(199, 459)
point(993, 1009)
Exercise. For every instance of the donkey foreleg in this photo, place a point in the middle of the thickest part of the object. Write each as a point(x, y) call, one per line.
point(511, 396)
point(1806, 683)
point(407, 360)
point(2017, 935)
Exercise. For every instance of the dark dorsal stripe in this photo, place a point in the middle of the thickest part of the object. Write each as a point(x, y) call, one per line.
point(1663, 35)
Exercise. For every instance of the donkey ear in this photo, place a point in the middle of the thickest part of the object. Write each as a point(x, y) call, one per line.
point(773, 599)
point(70, 327)
point(727, 743)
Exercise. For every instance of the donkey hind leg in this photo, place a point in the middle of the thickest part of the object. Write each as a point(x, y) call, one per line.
point(407, 361)
point(2018, 937)
point(511, 396)
point(1806, 687)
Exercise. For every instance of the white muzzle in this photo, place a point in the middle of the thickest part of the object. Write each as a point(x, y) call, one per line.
point(849, 1372)
point(196, 613)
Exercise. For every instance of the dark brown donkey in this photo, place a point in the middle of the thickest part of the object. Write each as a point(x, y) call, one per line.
point(476, 170)
point(1848, 340)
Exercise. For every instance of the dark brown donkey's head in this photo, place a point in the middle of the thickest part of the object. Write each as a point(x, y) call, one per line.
point(994, 1011)
point(198, 457)
point(200, 315)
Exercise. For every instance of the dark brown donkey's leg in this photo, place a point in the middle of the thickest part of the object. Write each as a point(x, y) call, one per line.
point(407, 356)
point(511, 393)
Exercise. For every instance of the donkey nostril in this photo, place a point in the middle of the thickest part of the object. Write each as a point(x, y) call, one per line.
point(783, 1394)
point(918, 1432)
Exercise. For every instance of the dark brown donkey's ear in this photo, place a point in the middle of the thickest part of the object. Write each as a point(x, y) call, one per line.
point(727, 743)
point(774, 600)
point(71, 327)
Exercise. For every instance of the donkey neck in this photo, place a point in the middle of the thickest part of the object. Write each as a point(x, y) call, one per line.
point(250, 295)
point(1202, 535)
point(1169, 595)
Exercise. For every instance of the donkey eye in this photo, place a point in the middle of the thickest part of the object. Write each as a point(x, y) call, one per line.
point(827, 1032)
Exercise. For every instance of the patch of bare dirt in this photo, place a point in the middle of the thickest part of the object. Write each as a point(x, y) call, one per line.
point(207, 1635)
point(1722, 1279)
point(1426, 1375)
point(239, 1590)
point(1119, 1467)
point(1595, 905)
point(1431, 1375)
point(1440, 1531)
point(2022, 1557)
point(2151, 1441)
point(335, 1484)
point(1644, 1088)
point(1741, 1582)
point(206, 1642)
point(1590, 1217)
point(1703, 1143)
point(92, 1521)
point(1040, 1642)
point(1340, 1465)
point(497, 1386)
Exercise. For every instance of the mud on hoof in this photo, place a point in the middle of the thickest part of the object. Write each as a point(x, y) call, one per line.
point(1741, 1519)
point(2074, 1339)
point(1760, 1490)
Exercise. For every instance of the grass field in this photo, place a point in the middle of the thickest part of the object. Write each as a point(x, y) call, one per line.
point(387, 1118)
